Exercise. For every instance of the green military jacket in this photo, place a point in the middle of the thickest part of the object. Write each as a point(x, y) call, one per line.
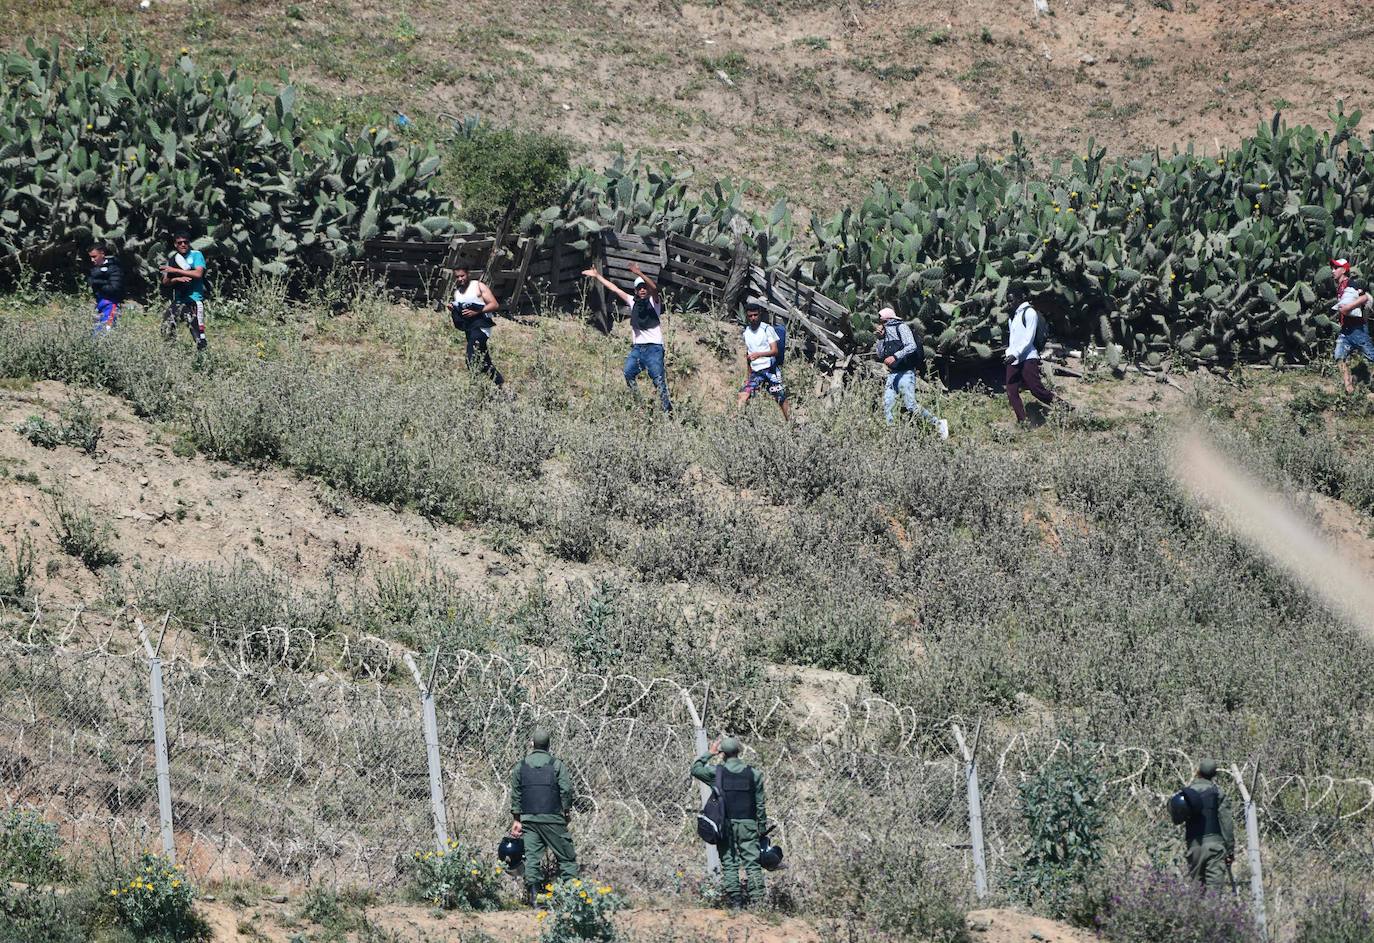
point(704, 770)
point(539, 759)
point(1225, 820)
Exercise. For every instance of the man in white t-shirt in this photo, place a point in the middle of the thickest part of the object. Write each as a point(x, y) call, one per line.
point(760, 359)
point(1023, 359)
point(646, 329)
point(1351, 299)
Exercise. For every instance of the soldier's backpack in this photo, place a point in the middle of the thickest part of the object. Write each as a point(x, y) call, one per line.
point(711, 818)
point(1184, 805)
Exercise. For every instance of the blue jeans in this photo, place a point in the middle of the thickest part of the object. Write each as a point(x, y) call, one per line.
point(905, 382)
point(1358, 339)
point(648, 357)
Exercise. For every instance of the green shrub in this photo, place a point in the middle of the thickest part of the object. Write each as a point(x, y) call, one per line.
point(339, 911)
point(16, 570)
point(488, 168)
point(81, 427)
point(1342, 916)
point(1152, 906)
point(574, 910)
point(28, 848)
point(889, 890)
point(155, 901)
point(38, 915)
point(79, 535)
point(455, 879)
point(1059, 806)
point(39, 432)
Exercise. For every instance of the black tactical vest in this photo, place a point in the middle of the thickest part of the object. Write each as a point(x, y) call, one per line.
point(738, 789)
point(539, 790)
point(1206, 820)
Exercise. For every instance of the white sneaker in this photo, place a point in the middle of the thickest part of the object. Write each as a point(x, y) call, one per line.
point(942, 428)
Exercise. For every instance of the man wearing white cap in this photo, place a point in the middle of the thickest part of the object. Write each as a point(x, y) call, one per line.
point(898, 349)
point(646, 329)
point(1354, 329)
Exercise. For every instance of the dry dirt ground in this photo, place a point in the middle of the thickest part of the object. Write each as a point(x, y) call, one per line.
point(276, 923)
point(815, 97)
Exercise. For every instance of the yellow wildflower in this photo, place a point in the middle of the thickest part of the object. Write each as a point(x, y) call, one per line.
point(548, 887)
point(603, 891)
point(541, 915)
point(114, 892)
point(474, 872)
point(184, 50)
point(576, 882)
point(176, 884)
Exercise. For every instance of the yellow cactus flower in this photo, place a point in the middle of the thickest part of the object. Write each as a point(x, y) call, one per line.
point(548, 887)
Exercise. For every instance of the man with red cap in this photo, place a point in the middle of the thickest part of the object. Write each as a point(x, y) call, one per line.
point(1354, 329)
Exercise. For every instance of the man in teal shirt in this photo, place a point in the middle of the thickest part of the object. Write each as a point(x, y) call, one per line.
point(746, 815)
point(185, 274)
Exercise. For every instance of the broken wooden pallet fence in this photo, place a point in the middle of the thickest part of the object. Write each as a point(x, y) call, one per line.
point(525, 273)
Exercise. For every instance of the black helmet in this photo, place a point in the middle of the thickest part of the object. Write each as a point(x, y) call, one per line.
point(511, 850)
point(770, 855)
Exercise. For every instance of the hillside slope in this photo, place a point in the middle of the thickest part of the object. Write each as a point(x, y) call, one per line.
point(816, 98)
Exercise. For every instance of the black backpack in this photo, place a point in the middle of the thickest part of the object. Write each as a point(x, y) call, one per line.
point(1042, 326)
point(711, 818)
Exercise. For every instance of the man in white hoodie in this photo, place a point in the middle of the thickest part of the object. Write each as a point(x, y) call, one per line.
point(1023, 359)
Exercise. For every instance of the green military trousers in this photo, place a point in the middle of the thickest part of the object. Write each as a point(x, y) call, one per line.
point(740, 850)
point(1207, 862)
point(549, 836)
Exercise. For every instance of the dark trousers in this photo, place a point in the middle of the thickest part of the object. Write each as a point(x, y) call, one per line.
point(480, 356)
point(1025, 375)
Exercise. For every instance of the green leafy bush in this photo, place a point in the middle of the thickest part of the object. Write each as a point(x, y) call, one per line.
point(455, 879)
point(489, 168)
point(39, 432)
point(1064, 828)
point(37, 915)
point(28, 848)
point(1153, 906)
point(155, 901)
point(575, 910)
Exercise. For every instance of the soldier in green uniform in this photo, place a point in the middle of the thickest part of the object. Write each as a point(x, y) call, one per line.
point(541, 801)
point(1210, 831)
point(747, 815)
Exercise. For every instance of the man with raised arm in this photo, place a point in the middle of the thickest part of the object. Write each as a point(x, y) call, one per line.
point(746, 818)
point(646, 329)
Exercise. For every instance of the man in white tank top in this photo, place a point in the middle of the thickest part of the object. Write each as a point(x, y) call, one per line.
point(471, 309)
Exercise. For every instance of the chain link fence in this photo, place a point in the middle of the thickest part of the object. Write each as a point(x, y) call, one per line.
point(305, 760)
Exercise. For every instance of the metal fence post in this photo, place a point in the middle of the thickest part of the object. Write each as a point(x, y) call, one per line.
point(431, 725)
point(703, 791)
point(164, 776)
point(1252, 850)
point(975, 810)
